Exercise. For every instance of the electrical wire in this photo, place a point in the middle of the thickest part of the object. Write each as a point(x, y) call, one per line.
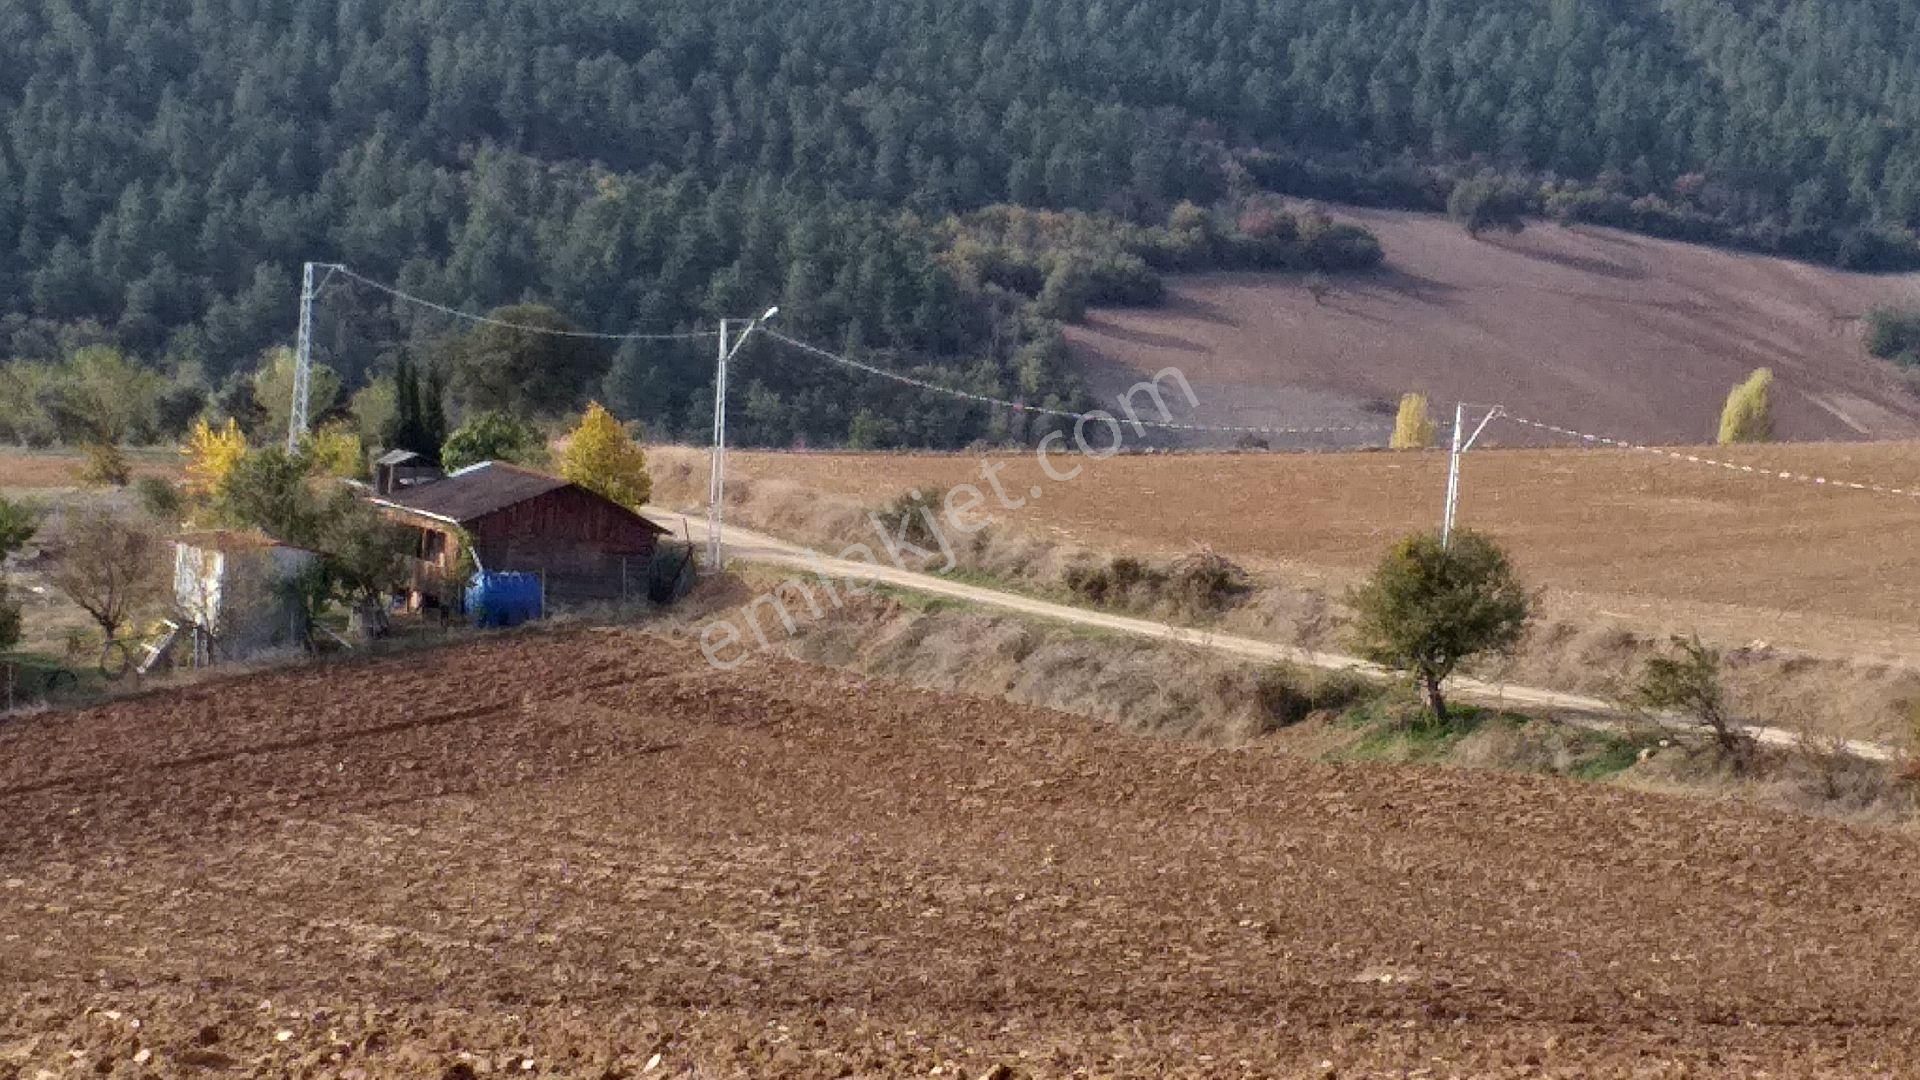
point(486, 320)
point(984, 399)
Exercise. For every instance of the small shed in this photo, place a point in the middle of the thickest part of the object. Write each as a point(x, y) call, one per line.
point(583, 545)
point(397, 469)
point(238, 585)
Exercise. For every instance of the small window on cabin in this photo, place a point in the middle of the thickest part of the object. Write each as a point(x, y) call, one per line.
point(433, 544)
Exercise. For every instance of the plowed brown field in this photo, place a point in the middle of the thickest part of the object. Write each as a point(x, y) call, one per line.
point(1576, 325)
point(1618, 533)
point(565, 854)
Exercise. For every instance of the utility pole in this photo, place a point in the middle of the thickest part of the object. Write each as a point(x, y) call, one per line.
point(1461, 444)
point(717, 476)
point(303, 353)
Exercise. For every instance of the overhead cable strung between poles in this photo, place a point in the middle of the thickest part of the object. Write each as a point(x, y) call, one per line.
point(1730, 466)
point(983, 399)
point(486, 320)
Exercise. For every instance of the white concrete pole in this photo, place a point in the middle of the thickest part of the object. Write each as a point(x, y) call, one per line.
point(717, 475)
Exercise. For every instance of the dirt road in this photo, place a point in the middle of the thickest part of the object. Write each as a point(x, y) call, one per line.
point(759, 547)
point(585, 853)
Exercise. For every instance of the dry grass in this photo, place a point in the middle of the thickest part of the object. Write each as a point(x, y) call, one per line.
point(1857, 684)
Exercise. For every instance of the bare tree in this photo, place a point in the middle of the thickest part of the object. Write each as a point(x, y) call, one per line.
point(111, 565)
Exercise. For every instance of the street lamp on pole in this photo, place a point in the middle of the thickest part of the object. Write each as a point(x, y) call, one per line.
point(717, 476)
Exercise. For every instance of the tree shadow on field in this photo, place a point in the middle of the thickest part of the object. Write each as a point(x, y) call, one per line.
point(1416, 287)
point(1586, 264)
point(1171, 342)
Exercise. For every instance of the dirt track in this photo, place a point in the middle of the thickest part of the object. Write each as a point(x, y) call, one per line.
point(588, 848)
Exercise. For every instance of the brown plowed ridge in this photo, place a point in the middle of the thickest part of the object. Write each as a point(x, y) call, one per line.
point(1584, 327)
point(585, 848)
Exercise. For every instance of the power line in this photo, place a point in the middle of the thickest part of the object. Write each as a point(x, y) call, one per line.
point(1017, 406)
point(486, 320)
point(1730, 466)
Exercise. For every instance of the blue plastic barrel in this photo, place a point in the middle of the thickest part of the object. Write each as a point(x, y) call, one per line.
point(504, 599)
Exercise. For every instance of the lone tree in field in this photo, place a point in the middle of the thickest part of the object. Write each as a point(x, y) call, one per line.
point(111, 566)
point(1748, 417)
point(1687, 681)
point(603, 458)
point(1413, 428)
point(1427, 608)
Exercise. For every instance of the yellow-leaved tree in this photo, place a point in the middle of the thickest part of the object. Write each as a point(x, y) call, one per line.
point(1748, 417)
point(603, 458)
point(1413, 429)
point(211, 456)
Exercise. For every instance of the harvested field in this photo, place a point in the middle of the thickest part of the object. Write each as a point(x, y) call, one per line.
point(27, 471)
point(1619, 535)
point(565, 854)
point(1580, 326)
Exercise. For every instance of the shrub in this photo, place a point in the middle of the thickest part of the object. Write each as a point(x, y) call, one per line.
point(1288, 695)
point(160, 498)
point(1894, 334)
point(1481, 204)
point(10, 622)
point(1207, 583)
point(1413, 428)
point(335, 450)
point(1748, 416)
point(18, 523)
point(1429, 606)
point(106, 466)
point(1687, 681)
point(911, 517)
point(1203, 583)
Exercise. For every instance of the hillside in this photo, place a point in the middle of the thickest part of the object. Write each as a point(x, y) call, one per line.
point(1586, 327)
point(167, 165)
point(593, 854)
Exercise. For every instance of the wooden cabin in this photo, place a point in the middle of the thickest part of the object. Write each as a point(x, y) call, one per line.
point(585, 546)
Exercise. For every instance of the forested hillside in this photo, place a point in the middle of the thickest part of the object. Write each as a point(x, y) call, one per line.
point(167, 164)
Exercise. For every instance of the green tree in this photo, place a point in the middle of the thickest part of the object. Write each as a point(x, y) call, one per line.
point(494, 436)
point(530, 367)
point(273, 392)
point(1687, 681)
point(376, 410)
point(270, 490)
point(1428, 607)
point(107, 398)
